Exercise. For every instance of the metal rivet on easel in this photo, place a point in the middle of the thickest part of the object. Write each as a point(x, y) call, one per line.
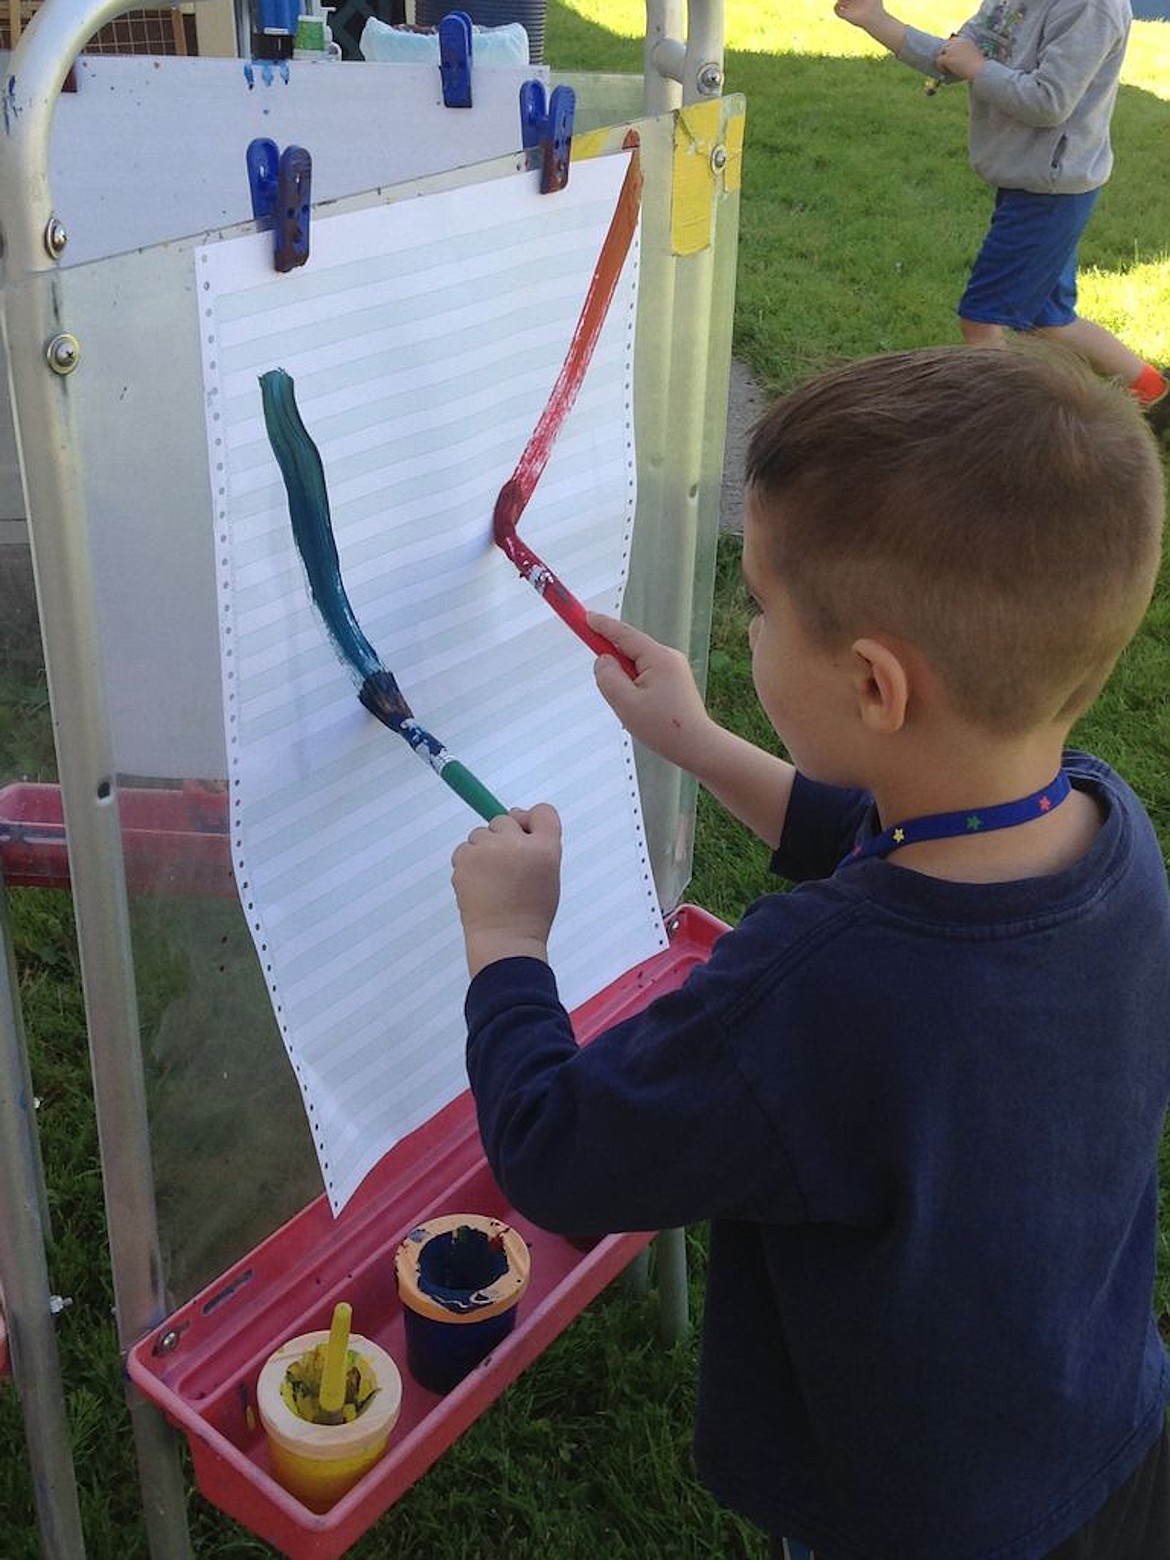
point(55, 236)
point(718, 159)
point(63, 353)
point(710, 79)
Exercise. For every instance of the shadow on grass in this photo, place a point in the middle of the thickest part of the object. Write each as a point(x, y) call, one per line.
point(861, 215)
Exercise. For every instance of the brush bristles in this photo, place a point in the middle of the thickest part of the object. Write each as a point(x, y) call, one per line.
point(381, 695)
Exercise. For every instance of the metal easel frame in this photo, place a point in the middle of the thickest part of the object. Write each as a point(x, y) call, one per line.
point(41, 354)
point(678, 71)
point(24, 1278)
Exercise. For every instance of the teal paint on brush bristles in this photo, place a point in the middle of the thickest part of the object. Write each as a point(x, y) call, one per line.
point(308, 504)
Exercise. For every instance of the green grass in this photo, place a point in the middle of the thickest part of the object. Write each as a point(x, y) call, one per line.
point(859, 218)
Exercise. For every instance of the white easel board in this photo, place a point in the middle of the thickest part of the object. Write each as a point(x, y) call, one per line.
point(150, 149)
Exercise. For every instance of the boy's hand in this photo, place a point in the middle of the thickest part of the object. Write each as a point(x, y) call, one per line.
point(872, 17)
point(662, 707)
point(507, 881)
point(862, 13)
point(960, 57)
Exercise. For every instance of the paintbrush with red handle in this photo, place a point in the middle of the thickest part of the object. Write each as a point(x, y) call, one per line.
point(518, 489)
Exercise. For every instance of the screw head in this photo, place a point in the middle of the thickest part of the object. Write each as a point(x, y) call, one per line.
point(718, 159)
point(63, 353)
point(55, 237)
point(710, 79)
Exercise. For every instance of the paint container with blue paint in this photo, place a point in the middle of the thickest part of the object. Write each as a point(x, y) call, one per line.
point(460, 1278)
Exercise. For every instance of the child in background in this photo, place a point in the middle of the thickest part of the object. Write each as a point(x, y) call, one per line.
point(919, 1096)
point(1043, 80)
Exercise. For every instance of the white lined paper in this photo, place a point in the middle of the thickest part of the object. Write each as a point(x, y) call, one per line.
point(423, 339)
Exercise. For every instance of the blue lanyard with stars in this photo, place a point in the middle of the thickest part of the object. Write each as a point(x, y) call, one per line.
point(942, 826)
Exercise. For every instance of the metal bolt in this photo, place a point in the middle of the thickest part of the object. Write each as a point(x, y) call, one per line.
point(718, 159)
point(63, 353)
point(168, 1341)
point(710, 79)
point(55, 236)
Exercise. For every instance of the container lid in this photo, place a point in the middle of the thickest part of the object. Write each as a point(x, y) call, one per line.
point(479, 1268)
point(295, 1434)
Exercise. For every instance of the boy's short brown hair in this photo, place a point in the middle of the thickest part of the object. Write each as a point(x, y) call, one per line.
point(1000, 509)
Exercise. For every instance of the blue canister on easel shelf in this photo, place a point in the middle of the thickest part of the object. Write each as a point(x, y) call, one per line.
point(460, 1278)
point(274, 28)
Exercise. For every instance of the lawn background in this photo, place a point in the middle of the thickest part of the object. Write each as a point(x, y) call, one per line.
point(859, 220)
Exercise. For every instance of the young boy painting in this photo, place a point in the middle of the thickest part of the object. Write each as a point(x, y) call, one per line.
point(919, 1095)
point(1043, 77)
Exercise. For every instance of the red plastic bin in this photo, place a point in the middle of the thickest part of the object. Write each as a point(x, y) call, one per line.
point(200, 1366)
point(174, 837)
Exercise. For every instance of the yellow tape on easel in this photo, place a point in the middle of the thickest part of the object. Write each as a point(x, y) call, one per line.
point(590, 143)
point(706, 158)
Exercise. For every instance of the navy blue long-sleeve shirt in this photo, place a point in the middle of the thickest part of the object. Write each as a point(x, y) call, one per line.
point(923, 1119)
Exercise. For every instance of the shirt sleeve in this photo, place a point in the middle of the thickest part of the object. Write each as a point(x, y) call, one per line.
point(1079, 36)
point(649, 1126)
point(920, 50)
point(820, 829)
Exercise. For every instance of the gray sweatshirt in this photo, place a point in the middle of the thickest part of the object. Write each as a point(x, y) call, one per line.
point(1040, 108)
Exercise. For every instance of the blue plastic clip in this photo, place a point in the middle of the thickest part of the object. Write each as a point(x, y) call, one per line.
point(533, 113)
point(455, 59)
point(263, 160)
point(550, 129)
point(281, 183)
point(291, 221)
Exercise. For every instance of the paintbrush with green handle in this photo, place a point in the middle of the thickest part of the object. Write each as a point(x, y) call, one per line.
point(308, 502)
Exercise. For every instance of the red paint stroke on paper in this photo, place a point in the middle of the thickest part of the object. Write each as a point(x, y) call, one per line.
point(518, 489)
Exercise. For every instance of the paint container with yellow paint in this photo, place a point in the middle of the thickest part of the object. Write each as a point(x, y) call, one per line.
point(460, 1278)
point(317, 1462)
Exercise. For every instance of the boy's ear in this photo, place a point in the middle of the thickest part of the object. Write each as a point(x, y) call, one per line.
point(882, 685)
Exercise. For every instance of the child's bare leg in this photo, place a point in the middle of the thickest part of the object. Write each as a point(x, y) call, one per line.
point(977, 333)
point(1099, 347)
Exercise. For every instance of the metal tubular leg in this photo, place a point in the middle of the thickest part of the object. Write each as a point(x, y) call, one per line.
point(40, 361)
point(691, 408)
point(24, 1277)
point(703, 71)
point(663, 56)
point(637, 1275)
point(73, 663)
point(670, 1252)
point(696, 65)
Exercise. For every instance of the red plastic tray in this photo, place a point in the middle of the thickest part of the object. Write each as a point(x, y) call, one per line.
point(201, 1365)
point(174, 838)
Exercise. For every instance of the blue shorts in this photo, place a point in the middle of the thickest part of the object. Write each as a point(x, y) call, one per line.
point(1025, 275)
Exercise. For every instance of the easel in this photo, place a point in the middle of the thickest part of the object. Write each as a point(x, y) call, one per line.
point(686, 328)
